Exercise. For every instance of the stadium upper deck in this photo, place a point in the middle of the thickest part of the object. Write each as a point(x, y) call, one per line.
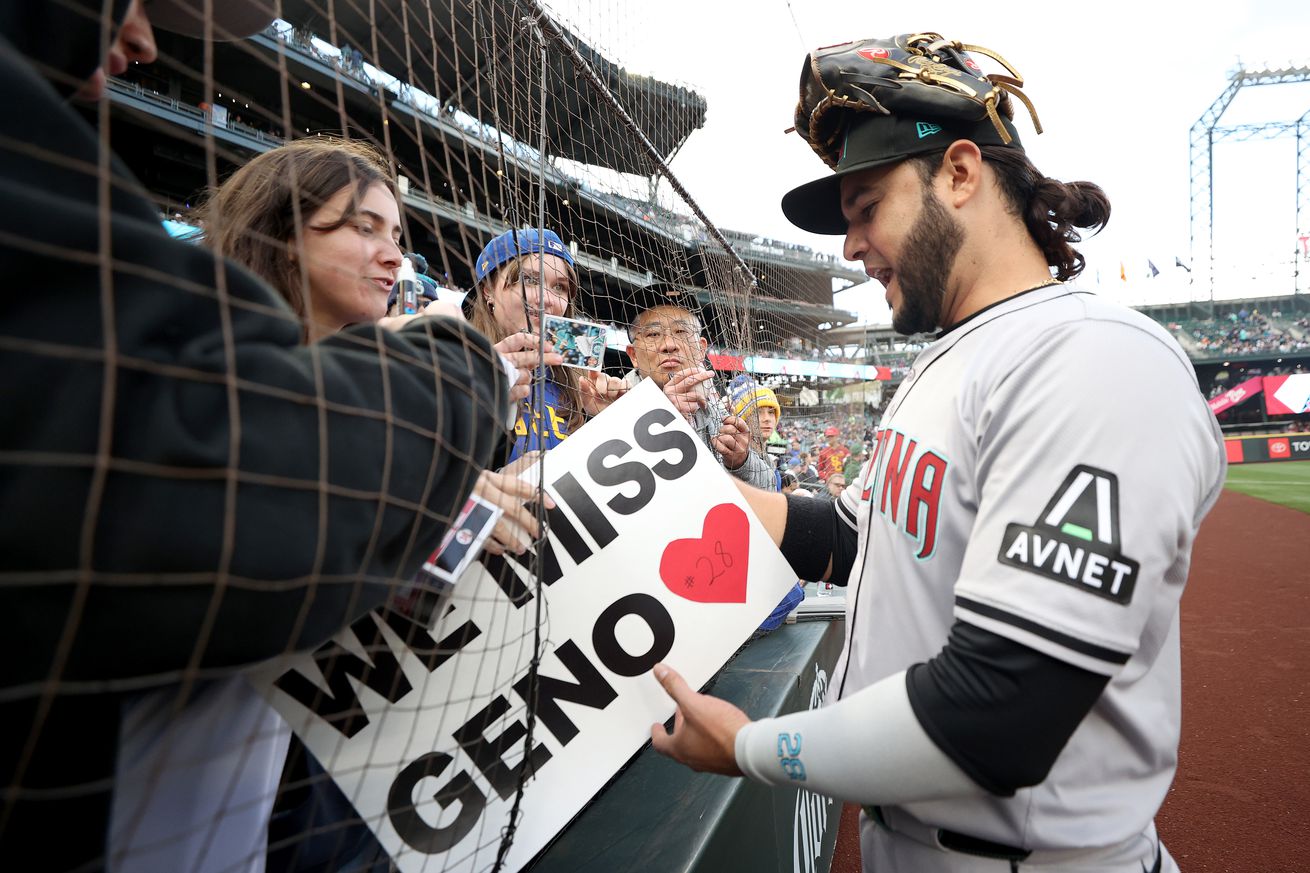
point(467, 170)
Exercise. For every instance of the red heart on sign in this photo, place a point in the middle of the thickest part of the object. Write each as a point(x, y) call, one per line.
point(711, 569)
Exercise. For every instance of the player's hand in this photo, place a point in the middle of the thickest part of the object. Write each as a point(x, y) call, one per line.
point(436, 307)
point(599, 391)
point(517, 526)
point(523, 351)
point(704, 728)
point(733, 442)
point(685, 390)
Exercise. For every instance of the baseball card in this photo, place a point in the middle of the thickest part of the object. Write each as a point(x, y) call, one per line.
point(463, 541)
point(425, 597)
point(716, 403)
point(582, 343)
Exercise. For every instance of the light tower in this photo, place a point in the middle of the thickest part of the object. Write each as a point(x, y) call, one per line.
point(1206, 132)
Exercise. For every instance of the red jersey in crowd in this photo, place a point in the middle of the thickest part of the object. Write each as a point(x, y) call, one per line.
point(832, 459)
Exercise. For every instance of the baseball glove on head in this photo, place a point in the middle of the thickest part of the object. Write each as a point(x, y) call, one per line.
point(920, 74)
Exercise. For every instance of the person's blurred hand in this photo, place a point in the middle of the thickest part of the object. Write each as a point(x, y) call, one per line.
point(435, 308)
point(733, 442)
point(685, 390)
point(524, 352)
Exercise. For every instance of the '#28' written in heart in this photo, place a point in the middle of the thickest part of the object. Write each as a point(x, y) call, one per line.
point(711, 568)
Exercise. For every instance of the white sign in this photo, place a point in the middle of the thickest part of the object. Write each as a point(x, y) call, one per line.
point(1294, 393)
point(652, 556)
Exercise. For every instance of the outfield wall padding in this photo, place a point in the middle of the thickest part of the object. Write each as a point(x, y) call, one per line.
point(1268, 447)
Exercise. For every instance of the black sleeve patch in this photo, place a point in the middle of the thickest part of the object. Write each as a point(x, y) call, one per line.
point(1075, 539)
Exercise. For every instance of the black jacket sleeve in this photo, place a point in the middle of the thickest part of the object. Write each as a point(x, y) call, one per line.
point(183, 485)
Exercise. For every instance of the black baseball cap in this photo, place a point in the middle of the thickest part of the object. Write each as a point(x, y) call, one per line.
point(875, 141)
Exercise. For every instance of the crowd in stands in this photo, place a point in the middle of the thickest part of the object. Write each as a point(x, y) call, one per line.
point(824, 453)
point(766, 245)
point(350, 61)
point(1242, 333)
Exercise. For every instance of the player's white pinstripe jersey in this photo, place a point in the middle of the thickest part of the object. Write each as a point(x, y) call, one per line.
point(1041, 473)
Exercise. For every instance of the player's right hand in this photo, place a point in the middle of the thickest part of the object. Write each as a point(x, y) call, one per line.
point(704, 728)
point(685, 390)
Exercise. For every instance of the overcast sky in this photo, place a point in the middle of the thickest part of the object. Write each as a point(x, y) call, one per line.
point(1117, 91)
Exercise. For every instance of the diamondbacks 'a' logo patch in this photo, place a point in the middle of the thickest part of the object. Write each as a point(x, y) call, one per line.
point(1075, 540)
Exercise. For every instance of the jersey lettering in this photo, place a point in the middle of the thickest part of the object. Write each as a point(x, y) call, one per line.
point(540, 424)
point(558, 426)
point(925, 497)
point(888, 475)
point(898, 464)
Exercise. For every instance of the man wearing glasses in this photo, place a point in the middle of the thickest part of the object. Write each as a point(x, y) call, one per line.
point(667, 346)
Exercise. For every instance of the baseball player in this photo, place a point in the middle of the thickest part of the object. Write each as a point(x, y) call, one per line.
point(1015, 548)
point(589, 344)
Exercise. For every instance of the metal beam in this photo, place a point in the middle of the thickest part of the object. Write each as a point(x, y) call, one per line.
point(1201, 139)
point(1302, 200)
point(1261, 129)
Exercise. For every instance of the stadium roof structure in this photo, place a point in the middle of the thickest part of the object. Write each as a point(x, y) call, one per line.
point(456, 57)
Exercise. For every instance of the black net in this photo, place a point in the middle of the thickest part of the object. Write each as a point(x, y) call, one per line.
point(231, 479)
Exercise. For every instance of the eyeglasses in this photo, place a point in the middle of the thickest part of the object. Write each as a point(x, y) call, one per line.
point(682, 332)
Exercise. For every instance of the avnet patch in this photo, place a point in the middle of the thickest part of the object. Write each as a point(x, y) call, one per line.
point(1075, 539)
point(1065, 558)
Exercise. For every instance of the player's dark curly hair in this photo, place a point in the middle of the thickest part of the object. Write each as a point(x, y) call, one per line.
point(1051, 210)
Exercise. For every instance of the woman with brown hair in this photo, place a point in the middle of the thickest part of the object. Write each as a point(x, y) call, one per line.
point(522, 275)
point(317, 220)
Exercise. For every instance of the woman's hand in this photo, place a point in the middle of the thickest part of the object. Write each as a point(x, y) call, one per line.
point(523, 350)
point(517, 527)
point(436, 307)
point(599, 391)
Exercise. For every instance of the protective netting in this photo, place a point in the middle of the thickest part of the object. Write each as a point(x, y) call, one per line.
point(492, 115)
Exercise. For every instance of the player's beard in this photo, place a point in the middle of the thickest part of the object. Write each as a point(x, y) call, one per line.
point(926, 262)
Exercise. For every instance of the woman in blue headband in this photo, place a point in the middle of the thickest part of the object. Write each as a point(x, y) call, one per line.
point(523, 275)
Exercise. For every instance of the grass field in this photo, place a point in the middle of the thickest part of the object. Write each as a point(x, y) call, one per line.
point(1286, 483)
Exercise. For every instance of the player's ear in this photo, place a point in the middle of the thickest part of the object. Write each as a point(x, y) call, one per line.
point(963, 165)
